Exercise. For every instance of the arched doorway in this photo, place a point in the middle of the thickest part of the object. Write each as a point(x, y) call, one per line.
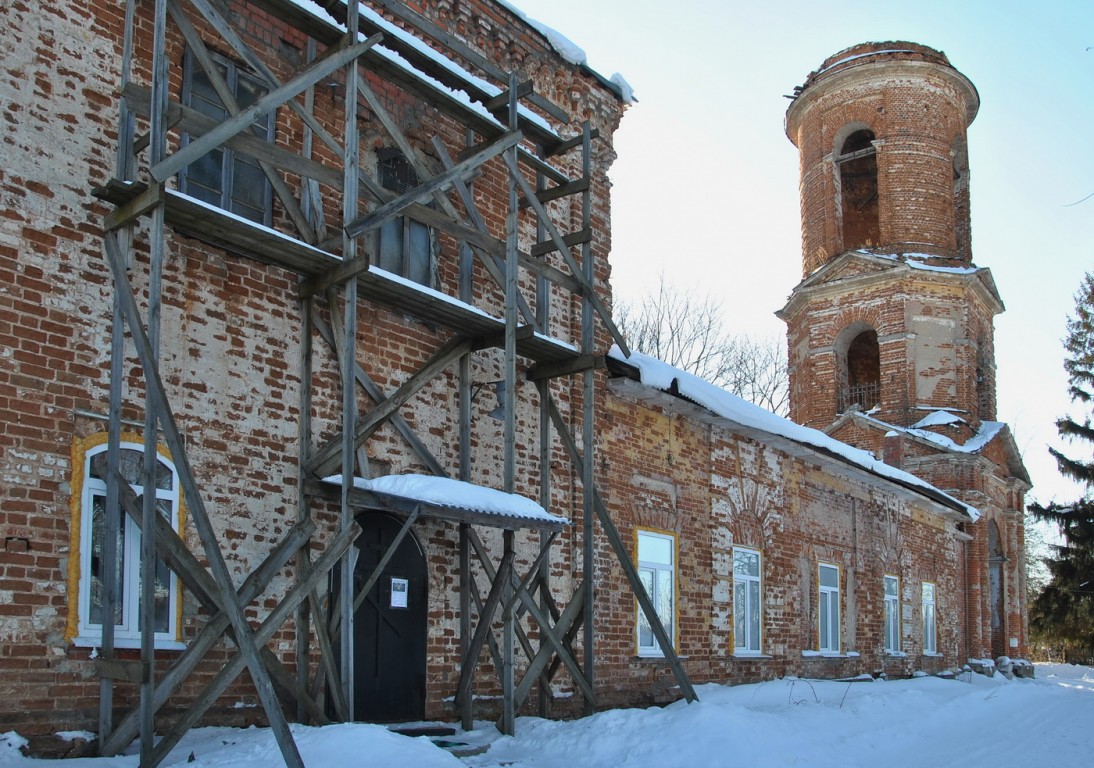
point(389, 628)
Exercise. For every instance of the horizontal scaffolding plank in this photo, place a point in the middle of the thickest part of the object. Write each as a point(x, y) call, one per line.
point(217, 227)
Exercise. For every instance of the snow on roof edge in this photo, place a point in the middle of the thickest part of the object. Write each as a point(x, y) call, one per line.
point(317, 11)
point(661, 375)
point(573, 54)
point(446, 492)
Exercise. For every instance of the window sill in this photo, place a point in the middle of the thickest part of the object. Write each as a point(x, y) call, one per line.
point(654, 657)
point(932, 654)
point(747, 655)
point(126, 643)
point(896, 655)
point(829, 655)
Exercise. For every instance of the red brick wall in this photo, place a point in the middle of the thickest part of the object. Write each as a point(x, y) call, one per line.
point(231, 343)
point(715, 489)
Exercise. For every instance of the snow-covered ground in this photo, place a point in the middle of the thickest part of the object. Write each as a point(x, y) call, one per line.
point(925, 721)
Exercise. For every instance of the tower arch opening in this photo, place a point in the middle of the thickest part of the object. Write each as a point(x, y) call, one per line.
point(859, 357)
point(857, 195)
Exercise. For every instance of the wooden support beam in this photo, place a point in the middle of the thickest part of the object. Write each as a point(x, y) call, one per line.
point(327, 458)
point(580, 237)
point(118, 669)
point(197, 580)
point(544, 371)
point(540, 662)
point(127, 213)
point(158, 402)
point(486, 619)
point(579, 676)
point(491, 258)
point(501, 101)
point(322, 67)
point(378, 396)
point(298, 592)
point(328, 664)
point(488, 569)
point(588, 290)
point(624, 558)
point(573, 142)
point(557, 191)
point(198, 124)
point(440, 181)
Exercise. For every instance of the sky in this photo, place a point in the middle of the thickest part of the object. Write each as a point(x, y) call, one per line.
point(705, 187)
point(968, 722)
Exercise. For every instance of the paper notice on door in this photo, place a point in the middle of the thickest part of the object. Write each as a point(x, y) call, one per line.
point(399, 590)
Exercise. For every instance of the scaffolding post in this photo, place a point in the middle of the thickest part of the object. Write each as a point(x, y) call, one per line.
point(349, 344)
point(587, 432)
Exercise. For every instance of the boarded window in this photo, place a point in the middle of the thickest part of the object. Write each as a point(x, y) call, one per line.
point(405, 246)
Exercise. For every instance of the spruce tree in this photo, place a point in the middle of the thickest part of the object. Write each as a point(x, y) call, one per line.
point(1064, 611)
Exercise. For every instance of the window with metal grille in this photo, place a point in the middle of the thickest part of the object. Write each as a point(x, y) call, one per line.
point(225, 177)
point(405, 246)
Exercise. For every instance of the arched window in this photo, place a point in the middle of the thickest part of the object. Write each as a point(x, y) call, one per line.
point(860, 357)
point(858, 192)
point(90, 513)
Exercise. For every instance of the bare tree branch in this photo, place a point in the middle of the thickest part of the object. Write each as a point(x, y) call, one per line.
point(687, 329)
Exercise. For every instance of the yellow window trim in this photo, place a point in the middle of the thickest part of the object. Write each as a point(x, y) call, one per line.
point(80, 449)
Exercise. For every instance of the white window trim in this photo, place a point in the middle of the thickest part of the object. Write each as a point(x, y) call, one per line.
point(126, 635)
point(740, 649)
point(830, 595)
point(892, 606)
point(655, 650)
point(930, 619)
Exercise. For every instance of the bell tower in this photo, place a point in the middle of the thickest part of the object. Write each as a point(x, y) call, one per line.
point(891, 315)
point(890, 331)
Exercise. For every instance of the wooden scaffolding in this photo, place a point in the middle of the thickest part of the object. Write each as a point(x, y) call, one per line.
point(337, 273)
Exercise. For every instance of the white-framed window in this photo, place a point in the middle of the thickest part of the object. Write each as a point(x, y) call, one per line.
point(747, 603)
point(657, 570)
point(828, 613)
point(90, 489)
point(892, 614)
point(930, 626)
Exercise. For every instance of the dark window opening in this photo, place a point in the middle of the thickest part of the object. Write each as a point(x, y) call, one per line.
point(857, 163)
point(224, 177)
point(405, 246)
point(863, 373)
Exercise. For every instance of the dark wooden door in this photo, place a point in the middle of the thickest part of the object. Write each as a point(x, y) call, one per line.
point(390, 626)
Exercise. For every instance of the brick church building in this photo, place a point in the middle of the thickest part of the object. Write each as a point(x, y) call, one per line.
point(890, 332)
point(310, 382)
